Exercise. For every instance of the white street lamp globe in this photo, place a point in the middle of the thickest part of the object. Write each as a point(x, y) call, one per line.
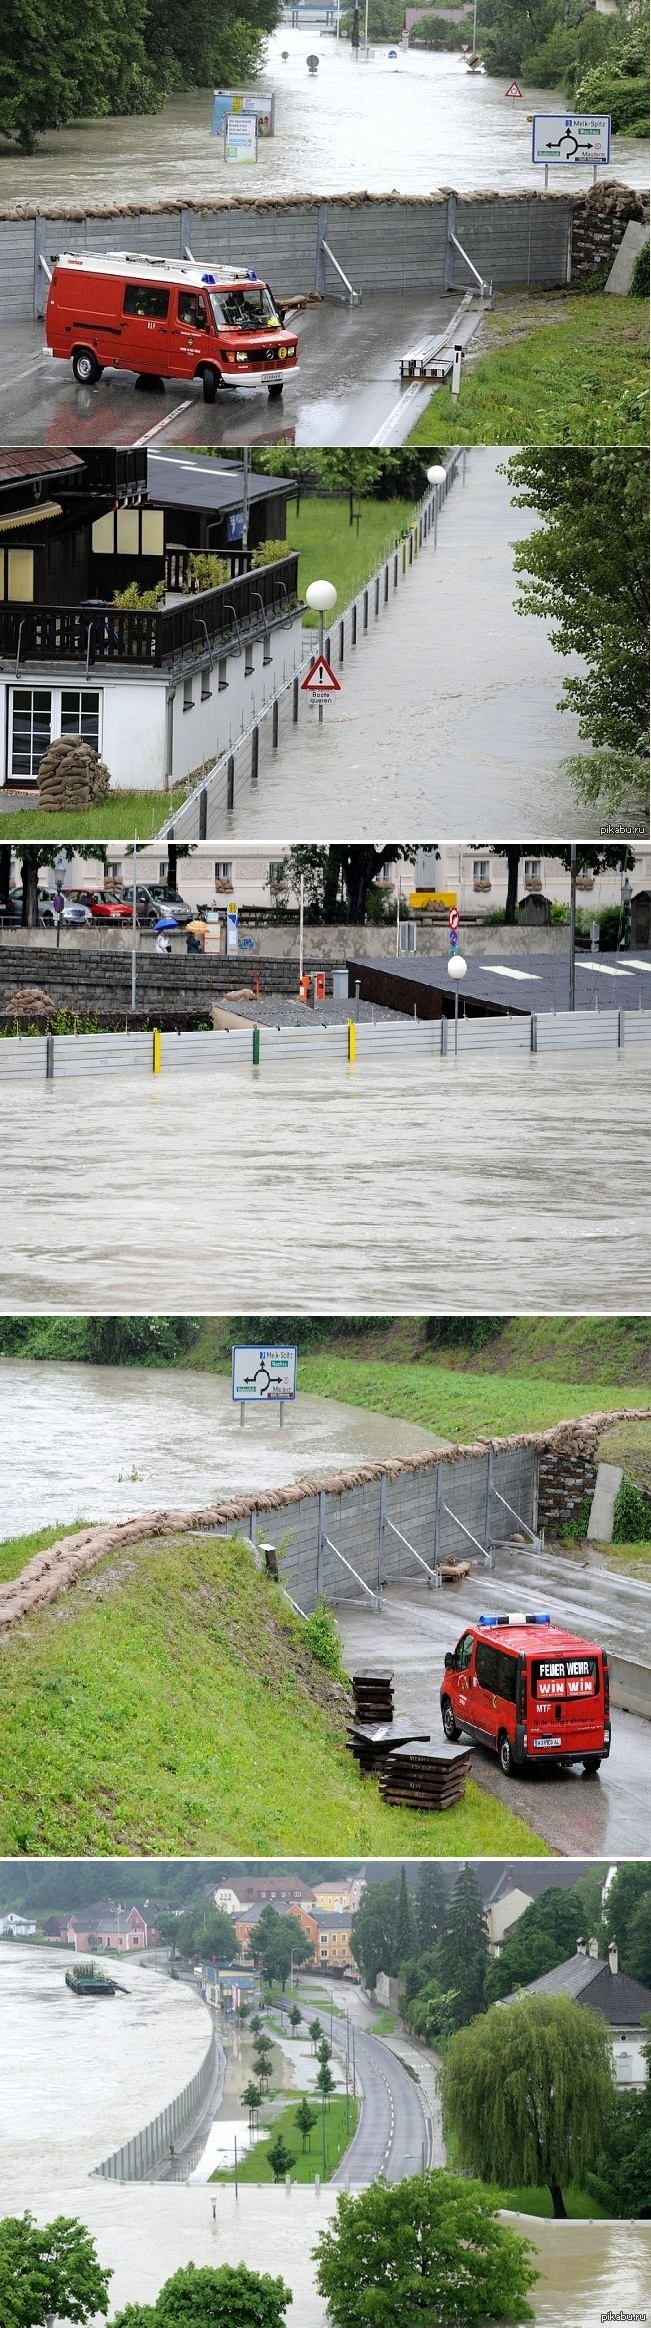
point(437, 475)
point(456, 966)
point(321, 596)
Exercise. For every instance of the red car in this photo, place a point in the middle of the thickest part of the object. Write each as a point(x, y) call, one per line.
point(529, 1690)
point(102, 905)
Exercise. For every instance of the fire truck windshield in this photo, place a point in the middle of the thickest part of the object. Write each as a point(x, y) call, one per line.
point(248, 307)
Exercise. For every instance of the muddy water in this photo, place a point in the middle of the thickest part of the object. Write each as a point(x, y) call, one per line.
point(414, 124)
point(101, 1442)
point(481, 1184)
point(79, 2076)
point(145, 2233)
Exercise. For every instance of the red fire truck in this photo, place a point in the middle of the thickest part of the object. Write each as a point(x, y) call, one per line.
point(169, 319)
point(529, 1690)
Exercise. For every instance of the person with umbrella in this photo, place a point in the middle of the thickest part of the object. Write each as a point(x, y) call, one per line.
point(195, 937)
point(163, 941)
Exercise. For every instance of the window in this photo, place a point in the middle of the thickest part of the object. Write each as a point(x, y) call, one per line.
point(463, 1652)
point(223, 673)
point(31, 729)
point(481, 869)
point(127, 533)
point(564, 1677)
point(80, 715)
point(20, 575)
point(145, 299)
point(162, 869)
point(152, 533)
point(266, 651)
point(114, 868)
point(497, 1671)
point(103, 534)
point(247, 307)
point(276, 872)
point(248, 662)
point(192, 310)
point(188, 694)
point(223, 869)
point(532, 868)
point(206, 689)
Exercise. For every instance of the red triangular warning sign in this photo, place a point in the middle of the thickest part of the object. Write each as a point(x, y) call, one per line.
point(320, 679)
point(513, 90)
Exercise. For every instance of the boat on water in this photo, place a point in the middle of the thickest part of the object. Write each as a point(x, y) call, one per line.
point(88, 1980)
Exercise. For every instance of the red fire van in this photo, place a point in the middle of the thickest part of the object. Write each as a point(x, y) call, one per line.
point(529, 1690)
point(170, 319)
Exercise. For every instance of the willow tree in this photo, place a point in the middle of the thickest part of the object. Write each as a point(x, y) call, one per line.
point(525, 2091)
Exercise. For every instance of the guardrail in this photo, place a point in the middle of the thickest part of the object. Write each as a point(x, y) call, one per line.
point(35, 1058)
point(152, 639)
point(201, 815)
point(136, 2160)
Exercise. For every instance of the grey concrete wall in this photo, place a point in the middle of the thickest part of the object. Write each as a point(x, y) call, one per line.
point(138, 2159)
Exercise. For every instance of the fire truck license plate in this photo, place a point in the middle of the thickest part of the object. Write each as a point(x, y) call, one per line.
point(547, 1742)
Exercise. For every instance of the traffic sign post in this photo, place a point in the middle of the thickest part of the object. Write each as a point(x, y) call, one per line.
point(263, 1375)
point(513, 90)
point(570, 141)
point(320, 682)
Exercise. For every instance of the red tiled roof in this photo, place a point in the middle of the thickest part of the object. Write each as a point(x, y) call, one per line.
point(27, 463)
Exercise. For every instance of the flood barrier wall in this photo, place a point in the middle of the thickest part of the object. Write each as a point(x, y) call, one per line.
point(39, 1058)
point(385, 244)
point(138, 2159)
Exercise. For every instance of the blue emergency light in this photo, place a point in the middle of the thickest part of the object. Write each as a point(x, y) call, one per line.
point(209, 278)
point(515, 1618)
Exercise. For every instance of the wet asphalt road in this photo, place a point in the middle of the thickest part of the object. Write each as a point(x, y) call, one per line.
point(347, 390)
point(588, 1818)
point(393, 2133)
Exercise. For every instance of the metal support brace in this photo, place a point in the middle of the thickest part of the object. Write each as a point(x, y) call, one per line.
point(373, 1596)
point(409, 1547)
point(485, 1549)
point(484, 287)
point(524, 1524)
point(354, 296)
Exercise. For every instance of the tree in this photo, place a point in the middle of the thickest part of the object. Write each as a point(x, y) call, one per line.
point(60, 64)
point(588, 860)
point(406, 1933)
point(281, 2160)
point(627, 1918)
point(53, 2269)
point(462, 1951)
point(327, 871)
point(585, 567)
point(315, 2032)
point(251, 2100)
point(202, 1930)
point(358, 471)
point(228, 2297)
point(427, 2249)
point(433, 2013)
point(295, 2018)
point(324, 2050)
point(325, 2084)
point(373, 1930)
point(306, 2120)
point(622, 2182)
point(430, 1901)
point(277, 1942)
point(524, 2091)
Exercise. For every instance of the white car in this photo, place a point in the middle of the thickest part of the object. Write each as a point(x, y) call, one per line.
point(72, 916)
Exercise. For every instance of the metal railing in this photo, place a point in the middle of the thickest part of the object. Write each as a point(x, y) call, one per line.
point(202, 815)
point(157, 638)
point(35, 1057)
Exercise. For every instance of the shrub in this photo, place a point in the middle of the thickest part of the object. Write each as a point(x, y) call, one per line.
point(640, 275)
point(267, 551)
point(142, 601)
point(575, 1529)
point(321, 1634)
point(632, 1518)
point(206, 571)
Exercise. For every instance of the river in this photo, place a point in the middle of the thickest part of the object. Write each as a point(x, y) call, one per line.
point(483, 1183)
point(412, 125)
point(102, 1442)
point(79, 2076)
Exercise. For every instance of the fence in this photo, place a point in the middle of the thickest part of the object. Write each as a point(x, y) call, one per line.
point(222, 618)
point(347, 1543)
point(35, 1058)
point(140, 2157)
point(201, 816)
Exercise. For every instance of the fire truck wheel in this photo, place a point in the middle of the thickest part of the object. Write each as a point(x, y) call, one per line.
point(591, 1764)
point(86, 368)
point(449, 1724)
point(210, 379)
point(505, 1755)
point(276, 388)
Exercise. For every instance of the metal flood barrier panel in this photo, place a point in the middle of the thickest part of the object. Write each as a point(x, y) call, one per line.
point(39, 1058)
point(140, 2157)
point(349, 1544)
point(384, 246)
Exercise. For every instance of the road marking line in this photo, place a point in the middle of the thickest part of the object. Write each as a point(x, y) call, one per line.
point(38, 365)
point(161, 424)
point(409, 396)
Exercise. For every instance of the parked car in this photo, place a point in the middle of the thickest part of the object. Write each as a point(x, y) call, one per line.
point(71, 914)
point(153, 902)
point(530, 1690)
point(103, 906)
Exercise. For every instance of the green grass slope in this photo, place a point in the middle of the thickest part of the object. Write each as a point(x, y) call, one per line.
point(167, 1704)
point(582, 380)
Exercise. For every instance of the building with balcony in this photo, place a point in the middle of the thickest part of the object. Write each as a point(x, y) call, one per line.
point(161, 691)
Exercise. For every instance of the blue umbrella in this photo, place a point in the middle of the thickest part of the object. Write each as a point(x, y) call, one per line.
point(166, 925)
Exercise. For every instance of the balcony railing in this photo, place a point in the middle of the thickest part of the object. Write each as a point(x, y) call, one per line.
point(243, 608)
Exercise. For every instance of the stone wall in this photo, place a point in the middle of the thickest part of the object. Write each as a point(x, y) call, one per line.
point(599, 220)
point(565, 1476)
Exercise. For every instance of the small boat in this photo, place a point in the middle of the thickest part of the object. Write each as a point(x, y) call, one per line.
point(88, 1980)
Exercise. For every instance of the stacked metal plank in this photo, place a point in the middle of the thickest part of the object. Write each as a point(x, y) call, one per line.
point(373, 1742)
point(423, 1778)
point(373, 1694)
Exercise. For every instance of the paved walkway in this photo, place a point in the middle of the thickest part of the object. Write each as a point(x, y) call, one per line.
point(447, 720)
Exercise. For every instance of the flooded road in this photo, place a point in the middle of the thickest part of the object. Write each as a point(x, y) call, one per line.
point(145, 2233)
point(104, 1442)
point(475, 1184)
point(79, 2076)
point(414, 124)
point(448, 712)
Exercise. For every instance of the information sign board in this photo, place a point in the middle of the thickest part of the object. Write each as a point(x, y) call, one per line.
point(263, 1373)
point(570, 140)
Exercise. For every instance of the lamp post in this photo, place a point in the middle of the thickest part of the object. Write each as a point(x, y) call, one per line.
point(321, 596)
point(457, 970)
point(436, 476)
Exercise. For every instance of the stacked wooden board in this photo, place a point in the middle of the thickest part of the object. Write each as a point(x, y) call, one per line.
point(373, 1694)
point(372, 1742)
point(424, 1777)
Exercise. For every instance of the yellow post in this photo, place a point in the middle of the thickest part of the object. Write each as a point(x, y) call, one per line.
point(352, 1041)
point(157, 1050)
